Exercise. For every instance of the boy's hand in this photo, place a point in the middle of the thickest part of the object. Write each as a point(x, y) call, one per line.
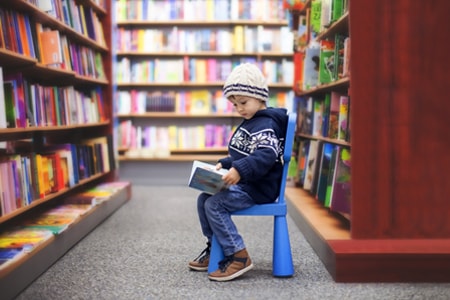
point(218, 166)
point(232, 177)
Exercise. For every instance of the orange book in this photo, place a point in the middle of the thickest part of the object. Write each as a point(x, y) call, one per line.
point(50, 41)
point(23, 36)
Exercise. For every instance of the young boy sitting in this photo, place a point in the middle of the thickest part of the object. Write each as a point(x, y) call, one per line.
point(255, 166)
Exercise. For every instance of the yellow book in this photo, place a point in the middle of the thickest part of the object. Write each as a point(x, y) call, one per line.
point(200, 102)
point(83, 20)
point(201, 70)
point(238, 38)
point(173, 137)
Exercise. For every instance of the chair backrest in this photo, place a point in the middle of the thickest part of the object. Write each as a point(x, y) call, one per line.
point(288, 142)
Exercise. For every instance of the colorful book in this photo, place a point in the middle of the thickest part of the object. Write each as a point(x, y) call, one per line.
point(333, 118)
point(24, 237)
point(324, 169)
point(327, 64)
point(331, 175)
point(206, 178)
point(343, 118)
point(342, 183)
point(51, 43)
point(311, 163)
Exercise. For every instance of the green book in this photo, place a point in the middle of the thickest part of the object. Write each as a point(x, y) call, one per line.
point(9, 104)
point(331, 174)
point(337, 10)
point(316, 12)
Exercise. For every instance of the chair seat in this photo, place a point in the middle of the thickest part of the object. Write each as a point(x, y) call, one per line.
point(269, 209)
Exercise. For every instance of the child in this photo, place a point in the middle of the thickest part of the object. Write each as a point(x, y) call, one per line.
point(255, 167)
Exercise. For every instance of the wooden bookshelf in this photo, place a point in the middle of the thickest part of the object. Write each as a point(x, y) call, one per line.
point(399, 230)
point(38, 138)
point(190, 83)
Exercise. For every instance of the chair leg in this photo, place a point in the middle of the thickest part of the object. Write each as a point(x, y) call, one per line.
point(216, 255)
point(282, 265)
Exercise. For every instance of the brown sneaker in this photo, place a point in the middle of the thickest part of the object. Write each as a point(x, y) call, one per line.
point(200, 263)
point(232, 266)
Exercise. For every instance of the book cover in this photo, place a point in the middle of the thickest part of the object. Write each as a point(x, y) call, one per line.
point(3, 123)
point(333, 118)
point(51, 43)
point(327, 64)
point(10, 255)
point(317, 116)
point(324, 169)
point(331, 175)
point(311, 67)
point(311, 162)
point(24, 237)
point(305, 115)
point(342, 183)
point(303, 147)
point(343, 118)
point(206, 178)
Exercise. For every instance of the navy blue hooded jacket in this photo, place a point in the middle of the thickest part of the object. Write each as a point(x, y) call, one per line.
point(256, 151)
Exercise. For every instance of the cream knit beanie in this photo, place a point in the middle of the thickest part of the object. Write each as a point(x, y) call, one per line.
point(246, 80)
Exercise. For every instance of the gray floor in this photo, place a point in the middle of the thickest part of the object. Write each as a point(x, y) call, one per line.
point(141, 252)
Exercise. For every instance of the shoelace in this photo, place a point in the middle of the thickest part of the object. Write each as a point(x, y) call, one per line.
point(203, 255)
point(224, 263)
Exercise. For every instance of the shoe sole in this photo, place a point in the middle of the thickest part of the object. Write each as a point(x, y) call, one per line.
point(199, 269)
point(232, 276)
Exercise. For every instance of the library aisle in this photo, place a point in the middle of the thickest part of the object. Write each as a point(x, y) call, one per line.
point(141, 252)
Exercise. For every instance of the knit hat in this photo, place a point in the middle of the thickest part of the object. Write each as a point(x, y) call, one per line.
point(246, 80)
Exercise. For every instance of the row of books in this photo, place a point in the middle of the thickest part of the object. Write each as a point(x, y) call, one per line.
point(27, 235)
point(26, 177)
point(187, 102)
point(326, 12)
point(322, 62)
point(83, 19)
point(173, 137)
point(199, 70)
point(221, 40)
point(324, 169)
point(325, 116)
point(199, 10)
point(27, 104)
point(21, 34)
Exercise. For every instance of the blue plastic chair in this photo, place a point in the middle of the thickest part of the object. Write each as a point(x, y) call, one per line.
point(282, 265)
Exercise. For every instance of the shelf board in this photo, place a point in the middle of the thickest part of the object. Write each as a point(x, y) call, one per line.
point(341, 84)
point(325, 139)
point(178, 115)
point(182, 84)
point(204, 54)
point(201, 23)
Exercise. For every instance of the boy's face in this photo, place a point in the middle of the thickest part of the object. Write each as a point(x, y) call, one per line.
point(247, 106)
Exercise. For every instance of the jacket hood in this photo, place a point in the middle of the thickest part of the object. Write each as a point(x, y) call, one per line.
point(279, 115)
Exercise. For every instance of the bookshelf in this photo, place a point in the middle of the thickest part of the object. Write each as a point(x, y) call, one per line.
point(193, 49)
point(398, 230)
point(58, 113)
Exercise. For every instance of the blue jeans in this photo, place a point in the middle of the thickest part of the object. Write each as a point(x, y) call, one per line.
point(214, 213)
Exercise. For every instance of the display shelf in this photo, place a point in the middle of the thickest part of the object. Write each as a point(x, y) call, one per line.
point(26, 141)
point(399, 229)
point(171, 36)
point(19, 275)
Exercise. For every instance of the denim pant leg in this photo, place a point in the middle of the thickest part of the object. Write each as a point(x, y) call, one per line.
point(206, 229)
point(217, 210)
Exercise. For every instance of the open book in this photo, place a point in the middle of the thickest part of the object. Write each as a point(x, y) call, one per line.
point(206, 178)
